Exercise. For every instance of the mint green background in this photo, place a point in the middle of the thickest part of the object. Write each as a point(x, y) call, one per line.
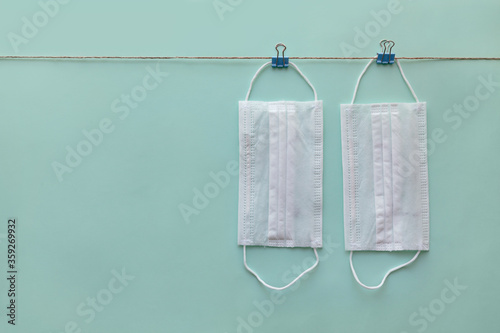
point(119, 208)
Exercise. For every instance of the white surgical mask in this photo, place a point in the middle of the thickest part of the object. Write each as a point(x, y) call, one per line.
point(280, 179)
point(384, 157)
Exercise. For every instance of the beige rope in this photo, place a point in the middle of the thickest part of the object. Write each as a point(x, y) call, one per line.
point(15, 57)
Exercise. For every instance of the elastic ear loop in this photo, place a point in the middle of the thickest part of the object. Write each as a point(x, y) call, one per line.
point(278, 288)
point(294, 66)
point(400, 70)
point(386, 274)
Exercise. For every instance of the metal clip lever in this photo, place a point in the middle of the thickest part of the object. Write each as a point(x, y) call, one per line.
point(386, 58)
point(278, 61)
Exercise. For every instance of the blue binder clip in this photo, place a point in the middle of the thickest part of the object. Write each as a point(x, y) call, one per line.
point(386, 58)
point(278, 61)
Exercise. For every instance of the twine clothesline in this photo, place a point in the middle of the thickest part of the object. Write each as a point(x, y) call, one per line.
point(41, 57)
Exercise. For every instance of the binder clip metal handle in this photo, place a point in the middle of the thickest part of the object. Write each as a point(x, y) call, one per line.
point(278, 61)
point(386, 57)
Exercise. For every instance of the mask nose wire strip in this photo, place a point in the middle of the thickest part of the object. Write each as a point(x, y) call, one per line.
point(278, 288)
point(386, 274)
point(400, 70)
point(294, 66)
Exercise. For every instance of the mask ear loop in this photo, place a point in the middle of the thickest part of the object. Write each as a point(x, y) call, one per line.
point(400, 70)
point(294, 66)
point(278, 288)
point(386, 274)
